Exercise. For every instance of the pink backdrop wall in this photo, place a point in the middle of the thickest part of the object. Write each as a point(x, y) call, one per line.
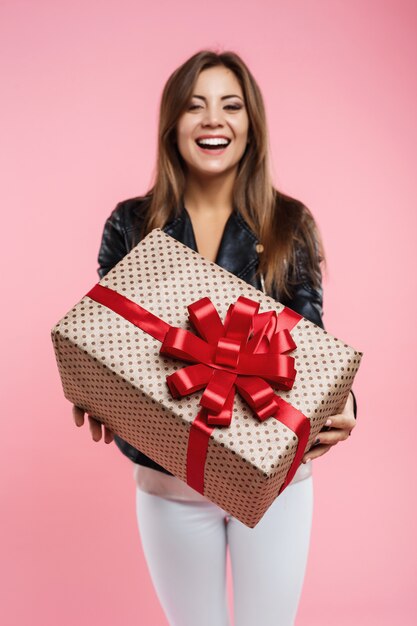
point(80, 89)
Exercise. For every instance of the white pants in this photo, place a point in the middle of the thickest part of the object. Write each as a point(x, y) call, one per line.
point(185, 547)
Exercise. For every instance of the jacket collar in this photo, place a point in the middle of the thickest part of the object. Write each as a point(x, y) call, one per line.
point(237, 251)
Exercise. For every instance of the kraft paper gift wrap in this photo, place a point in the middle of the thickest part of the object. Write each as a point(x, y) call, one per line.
point(267, 377)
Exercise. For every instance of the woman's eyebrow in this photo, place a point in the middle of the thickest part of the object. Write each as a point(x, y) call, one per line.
point(222, 98)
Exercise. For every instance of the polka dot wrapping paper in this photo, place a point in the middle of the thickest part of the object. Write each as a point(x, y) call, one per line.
point(115, 371)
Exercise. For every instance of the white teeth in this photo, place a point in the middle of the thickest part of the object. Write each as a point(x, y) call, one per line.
point(215, 141)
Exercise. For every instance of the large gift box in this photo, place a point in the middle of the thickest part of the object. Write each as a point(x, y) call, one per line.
point(215, 381)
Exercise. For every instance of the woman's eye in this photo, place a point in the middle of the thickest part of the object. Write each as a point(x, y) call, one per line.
point(232, 107)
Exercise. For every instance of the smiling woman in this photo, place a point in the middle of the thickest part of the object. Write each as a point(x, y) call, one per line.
point(215, 95)
point(213, 192)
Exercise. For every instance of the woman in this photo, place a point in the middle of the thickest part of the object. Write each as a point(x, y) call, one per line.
point(213, 192)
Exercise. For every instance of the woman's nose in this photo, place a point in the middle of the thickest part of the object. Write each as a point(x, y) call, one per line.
point(212, 116)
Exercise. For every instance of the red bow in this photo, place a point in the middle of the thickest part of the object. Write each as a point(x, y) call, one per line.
point(245, 352)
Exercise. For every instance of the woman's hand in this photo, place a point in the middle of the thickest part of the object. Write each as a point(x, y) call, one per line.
point(95, 426)
point(342, 425)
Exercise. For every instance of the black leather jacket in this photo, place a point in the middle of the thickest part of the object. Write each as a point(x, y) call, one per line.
point(237, 254)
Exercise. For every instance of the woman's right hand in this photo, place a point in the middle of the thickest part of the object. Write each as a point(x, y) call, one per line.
point(95, 426)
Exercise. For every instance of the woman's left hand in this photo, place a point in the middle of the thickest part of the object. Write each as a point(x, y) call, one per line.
point(341, 426)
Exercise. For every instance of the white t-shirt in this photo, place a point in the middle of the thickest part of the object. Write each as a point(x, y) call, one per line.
point(161, 484)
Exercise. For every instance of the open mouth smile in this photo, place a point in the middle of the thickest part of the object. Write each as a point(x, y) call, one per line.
point(213, 145)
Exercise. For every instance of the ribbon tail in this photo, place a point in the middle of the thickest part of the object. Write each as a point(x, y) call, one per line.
point(198, 442)
point(300, 425)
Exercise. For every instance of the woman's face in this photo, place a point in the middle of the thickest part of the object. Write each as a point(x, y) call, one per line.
point(216, 112)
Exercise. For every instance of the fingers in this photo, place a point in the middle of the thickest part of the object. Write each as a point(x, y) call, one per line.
point(341, 428)
point(315, 452)
point(95, 428)
point(332, 436)
point(343, 421)
point(95, 425)
point(108, 435)
point(78, 415)
point(96, 431)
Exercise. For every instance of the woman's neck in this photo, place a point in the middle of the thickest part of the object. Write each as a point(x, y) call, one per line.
point(211, 194)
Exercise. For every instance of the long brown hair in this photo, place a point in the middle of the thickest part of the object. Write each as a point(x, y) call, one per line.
point(283, 225)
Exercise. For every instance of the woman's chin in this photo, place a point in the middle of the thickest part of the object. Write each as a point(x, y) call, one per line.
point(211, 170)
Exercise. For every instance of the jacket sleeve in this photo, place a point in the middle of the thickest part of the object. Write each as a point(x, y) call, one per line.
point(113, 242)
point(307, 300)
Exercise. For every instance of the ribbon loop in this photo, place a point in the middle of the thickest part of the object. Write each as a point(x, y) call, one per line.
point(228, 351)
point(206, 320)
point(241, 317)
point(188, 380)
point(259, 395)
point(216, 393)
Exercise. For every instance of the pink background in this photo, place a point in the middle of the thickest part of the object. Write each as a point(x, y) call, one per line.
point(80, 89)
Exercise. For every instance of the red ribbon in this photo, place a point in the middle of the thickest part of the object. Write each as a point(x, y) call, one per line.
point(248, 352)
